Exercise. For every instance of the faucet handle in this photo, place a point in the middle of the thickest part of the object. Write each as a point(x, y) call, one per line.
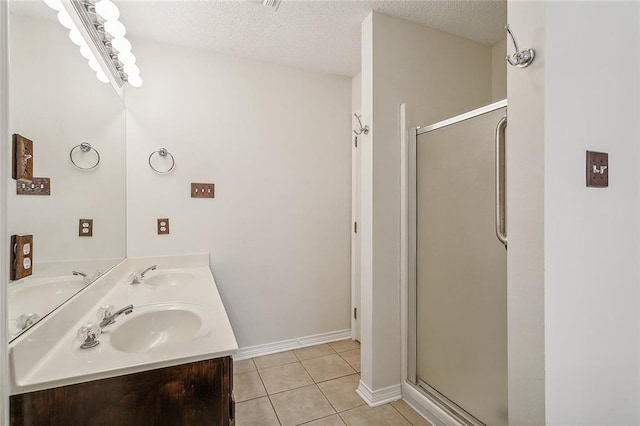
point(105, 312)
point(88, 335)
point(25, 321)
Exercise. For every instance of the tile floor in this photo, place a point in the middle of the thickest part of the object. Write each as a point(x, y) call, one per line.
point(314, 386)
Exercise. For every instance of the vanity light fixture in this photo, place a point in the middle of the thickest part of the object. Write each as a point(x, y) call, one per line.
point(100, 19)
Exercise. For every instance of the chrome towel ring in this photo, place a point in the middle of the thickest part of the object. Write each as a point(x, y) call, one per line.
point(162, 152)
point(84, 147)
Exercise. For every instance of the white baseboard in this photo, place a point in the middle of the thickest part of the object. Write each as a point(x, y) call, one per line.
point(427, 408)
point(374, 398)
point(287, 345)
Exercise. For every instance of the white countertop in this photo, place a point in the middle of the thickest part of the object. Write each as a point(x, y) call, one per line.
point(49, 355)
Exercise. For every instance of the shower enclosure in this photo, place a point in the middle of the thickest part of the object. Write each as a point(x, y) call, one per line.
point(457, 272)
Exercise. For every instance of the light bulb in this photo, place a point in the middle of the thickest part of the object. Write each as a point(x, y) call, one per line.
point(102, 77)
point(131, 70)
point(127, 58)
point(135, 81)
point(121, 44)
point(65, 20)
point(107, 10)
point(86, 52)
point(76, 37)
point(115, 29)
point(94, 65)
point(54, 4)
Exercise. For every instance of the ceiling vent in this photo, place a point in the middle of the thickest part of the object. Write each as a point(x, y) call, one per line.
point(273, 4)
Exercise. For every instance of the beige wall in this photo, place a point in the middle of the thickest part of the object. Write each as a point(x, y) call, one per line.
point(438, 75)
point(499, 71)
point(525, 213)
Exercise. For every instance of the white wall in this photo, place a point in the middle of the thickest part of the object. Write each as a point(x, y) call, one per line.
point(57, 102)
point(592, 235)
point(275, 141)
point(4, 257)
point(525, 215)
point(438, 75)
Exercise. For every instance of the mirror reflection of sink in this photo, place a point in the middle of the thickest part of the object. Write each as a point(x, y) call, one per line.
point(169, 278)
point(37, 296)
point(41, 294)
point(157, 327)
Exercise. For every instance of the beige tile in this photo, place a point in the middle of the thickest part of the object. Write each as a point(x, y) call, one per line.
point(301, 405)
point(410, 414)
point(275, 359)
point(345, 345)
point(285, 377)
point(313, 352)
point(334, 420)
point(383, 415)
point(247, 386)
point(257, 412)
point(327, 368)
point(352, 358)
point(341, 392)
point(243, 366)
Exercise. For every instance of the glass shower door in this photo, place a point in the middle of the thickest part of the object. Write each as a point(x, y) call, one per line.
point(460, 270)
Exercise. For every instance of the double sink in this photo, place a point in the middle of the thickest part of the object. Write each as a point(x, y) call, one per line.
point(177, 317)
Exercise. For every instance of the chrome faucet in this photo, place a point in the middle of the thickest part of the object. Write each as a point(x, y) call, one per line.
point(109, 318)
point(137, 277)
point(82, 274)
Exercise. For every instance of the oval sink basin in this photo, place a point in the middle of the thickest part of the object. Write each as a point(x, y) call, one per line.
point(156, 329)
point(169, 278)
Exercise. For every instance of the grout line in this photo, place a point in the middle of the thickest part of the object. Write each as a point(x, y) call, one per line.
point(325, 417)
point(269, 398)
point(402, 415)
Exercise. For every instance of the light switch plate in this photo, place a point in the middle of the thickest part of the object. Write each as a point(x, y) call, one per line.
point(22, 158)
point(202, 190)
point(21, 264)
point(85, 228)
point(163, 226)
point(37, 186)
point(597, 169)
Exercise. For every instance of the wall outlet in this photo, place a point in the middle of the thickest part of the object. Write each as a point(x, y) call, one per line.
point(85, 228)
point(21, 256)
point(597, 169)
point(22, 158)
point(202, 190)
point(37, 186)
point(163, 226)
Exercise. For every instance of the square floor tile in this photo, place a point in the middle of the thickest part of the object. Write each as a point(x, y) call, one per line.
point(275, 359)
point(334, 420)
point(247, 386)
point(257, 412)
point(410, 414)
point(243, 366)
point(313, 352)
point(341, 392)
point(345, 345)
point(301, 405)
point(384, 415)
point(285, 377)
point(327, 368)
point(352, 358)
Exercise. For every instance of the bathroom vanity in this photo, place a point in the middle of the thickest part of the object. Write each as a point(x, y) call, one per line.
point(168, 361)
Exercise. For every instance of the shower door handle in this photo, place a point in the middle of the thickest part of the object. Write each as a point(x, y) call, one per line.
point(501, 223)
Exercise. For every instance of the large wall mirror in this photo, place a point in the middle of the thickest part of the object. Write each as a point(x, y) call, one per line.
point(57, 102)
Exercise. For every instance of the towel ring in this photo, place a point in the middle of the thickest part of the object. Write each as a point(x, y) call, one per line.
point(85, 147)
point(162, 152)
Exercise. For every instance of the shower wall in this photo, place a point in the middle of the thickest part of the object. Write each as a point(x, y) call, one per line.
point(438, 75)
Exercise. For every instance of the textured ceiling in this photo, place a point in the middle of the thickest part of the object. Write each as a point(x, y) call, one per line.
point(311, 34)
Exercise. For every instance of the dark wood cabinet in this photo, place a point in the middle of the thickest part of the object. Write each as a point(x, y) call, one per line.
point(198, 393)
